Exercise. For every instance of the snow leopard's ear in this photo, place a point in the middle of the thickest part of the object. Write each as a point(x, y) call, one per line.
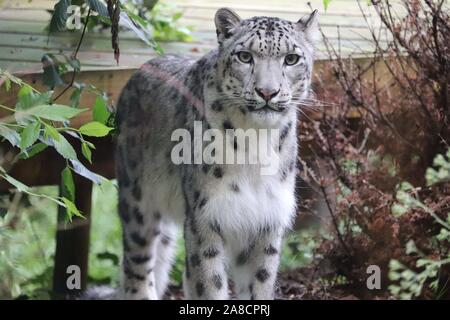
point(309, 25)
point(226, 21)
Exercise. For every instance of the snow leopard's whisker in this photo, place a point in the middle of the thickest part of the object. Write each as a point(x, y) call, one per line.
point(313, 104)
point(315, 101)
point(305, 115)
point(307, 107)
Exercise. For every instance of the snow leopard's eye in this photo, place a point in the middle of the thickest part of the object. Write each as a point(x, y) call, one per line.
point(245, 57)
point(291, 59)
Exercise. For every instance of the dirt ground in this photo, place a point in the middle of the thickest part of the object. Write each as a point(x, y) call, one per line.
point(301, 284)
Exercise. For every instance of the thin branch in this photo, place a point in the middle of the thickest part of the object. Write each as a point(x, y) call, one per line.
point(74, 56)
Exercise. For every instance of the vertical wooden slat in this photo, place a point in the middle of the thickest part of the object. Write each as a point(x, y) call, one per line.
point(72, 243)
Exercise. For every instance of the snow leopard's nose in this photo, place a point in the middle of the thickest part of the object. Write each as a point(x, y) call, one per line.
point(267, 94)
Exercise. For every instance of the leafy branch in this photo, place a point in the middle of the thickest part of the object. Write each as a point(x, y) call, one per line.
point(409, 283)
point(36, 123)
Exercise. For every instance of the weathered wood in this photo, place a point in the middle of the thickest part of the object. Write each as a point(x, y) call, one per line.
point(23, 39)
point(72, 245)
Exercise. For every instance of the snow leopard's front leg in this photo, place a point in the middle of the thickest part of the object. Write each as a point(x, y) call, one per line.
point(140, 238)
point(205, 277)
point(256, 266)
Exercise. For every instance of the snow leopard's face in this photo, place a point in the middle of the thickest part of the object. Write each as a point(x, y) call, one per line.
point(265, 63)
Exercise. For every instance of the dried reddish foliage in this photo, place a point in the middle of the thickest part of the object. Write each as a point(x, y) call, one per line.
point(401, 103)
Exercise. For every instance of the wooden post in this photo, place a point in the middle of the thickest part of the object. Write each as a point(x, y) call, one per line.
point(72, 243)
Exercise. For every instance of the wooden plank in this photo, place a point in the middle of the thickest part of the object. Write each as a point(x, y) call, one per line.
point(36, 4)
point(72, 243)
point(24, 40)
point(200, 19)
point(102, 57)
point(96, 44)
point(101, 42)
point(205, 12)
point(13, 57)
point(336, 7)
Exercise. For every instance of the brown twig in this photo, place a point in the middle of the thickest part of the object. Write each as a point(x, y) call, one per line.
point(334, 221)
point(74, 56)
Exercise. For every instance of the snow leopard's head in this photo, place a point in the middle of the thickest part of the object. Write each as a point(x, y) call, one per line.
point(265, 63)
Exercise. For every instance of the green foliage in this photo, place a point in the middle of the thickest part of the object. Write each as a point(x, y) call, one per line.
point(442, 173)
point(56, 64)
point(30, 135)
point(106, 236)
point(410, 283)
point(67, 183)
point(326, 4)
point(178, 267)
point(164, 20)
point(98, 7)
point(27, 244)
point(9, 134)
point(94, 129)
point(335, 280)
point(149, 20)
point(27, 241)
point(100, 110)
point(37, 123)
point(59, 17)
point(298, 249)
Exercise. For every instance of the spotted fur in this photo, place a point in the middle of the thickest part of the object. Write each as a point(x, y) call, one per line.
point(232, 215)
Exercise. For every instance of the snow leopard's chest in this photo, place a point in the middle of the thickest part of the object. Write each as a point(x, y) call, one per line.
point(244, 202)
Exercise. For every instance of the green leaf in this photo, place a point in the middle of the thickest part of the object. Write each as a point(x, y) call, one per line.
point(25, 90)
point(73, 62)
point(71, 208)
point(99, 7)
point(27, 98)
point(64, 148)
point(95, 129)
point(325, 4)
point(19, 185)
point(11, 135)
point(29, 135)
point(100, 111)
point(55, 112)
point(32, 151)
point(405, 186)
point(90, 144)
point(79, 168)
point(59, 17)
point(398, 209)
point(140, 27)
point(86, 151)
point(51, 131)
point(76, 95)
point(50, 77)
point(6, 75)
point(67, 182)
point(7, 84)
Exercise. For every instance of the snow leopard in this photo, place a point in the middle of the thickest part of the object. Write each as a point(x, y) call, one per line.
point(233, 217)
